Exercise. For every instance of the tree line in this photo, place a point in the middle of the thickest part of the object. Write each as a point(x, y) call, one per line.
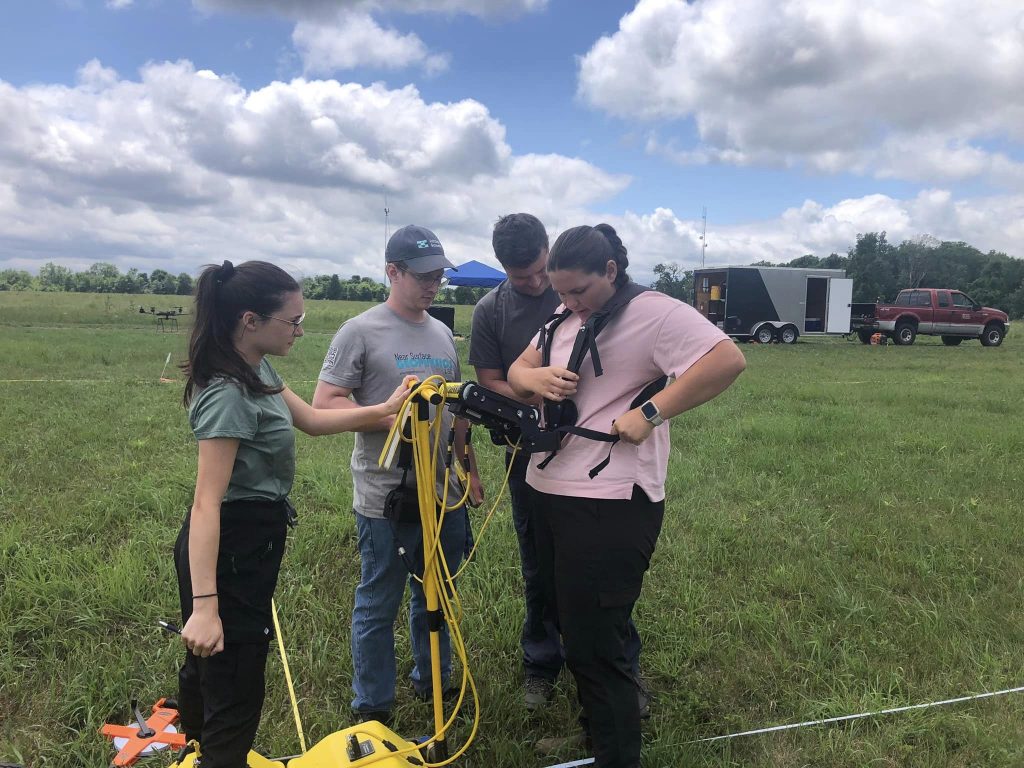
point(879, 271)
point(878, 268)
point(98, 278)
point(104, 277)
point(361, 288)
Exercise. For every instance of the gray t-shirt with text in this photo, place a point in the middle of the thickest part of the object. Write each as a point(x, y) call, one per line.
point(370, 354)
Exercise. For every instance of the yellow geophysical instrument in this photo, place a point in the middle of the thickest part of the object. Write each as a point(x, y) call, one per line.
point(372, 743)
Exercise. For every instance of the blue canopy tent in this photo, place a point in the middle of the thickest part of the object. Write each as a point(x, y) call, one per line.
point(474, 274)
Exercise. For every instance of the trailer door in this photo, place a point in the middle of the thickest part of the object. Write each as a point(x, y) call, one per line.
point(840, 296)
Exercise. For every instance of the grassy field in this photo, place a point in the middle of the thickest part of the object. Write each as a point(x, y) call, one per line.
point(842, 534)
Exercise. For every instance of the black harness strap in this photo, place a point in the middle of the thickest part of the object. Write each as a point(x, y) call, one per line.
point(586, 341)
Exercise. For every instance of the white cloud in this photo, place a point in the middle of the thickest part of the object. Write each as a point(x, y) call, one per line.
point(318, 9)
point(851, 85)
point(118, 5)
point(335, 35)
point(354, 39)
point(995, 223)
point(183, 167)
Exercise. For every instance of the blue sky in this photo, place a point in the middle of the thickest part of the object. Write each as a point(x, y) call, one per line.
point(146, 132)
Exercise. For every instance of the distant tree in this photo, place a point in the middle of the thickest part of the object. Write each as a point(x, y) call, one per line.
point(835, 261)
point(129, 282)
point(673, 281)
point(164, 283)
point(873, 268)
point(184, 284)
point(100, 277)
point(809, 261)
point(463, 295)
point(15, 280)
point(54, 277)
point(313, 287)
point(333, 288)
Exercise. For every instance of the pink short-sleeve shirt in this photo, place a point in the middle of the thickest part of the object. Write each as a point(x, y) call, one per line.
point(653, 336)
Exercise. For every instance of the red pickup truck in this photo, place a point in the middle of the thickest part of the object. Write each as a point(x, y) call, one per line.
point(951, 314)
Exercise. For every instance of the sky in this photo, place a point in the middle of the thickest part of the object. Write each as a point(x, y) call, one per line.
point(176, 133)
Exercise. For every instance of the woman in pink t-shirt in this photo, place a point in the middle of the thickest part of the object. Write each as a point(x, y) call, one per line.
point(598, 523)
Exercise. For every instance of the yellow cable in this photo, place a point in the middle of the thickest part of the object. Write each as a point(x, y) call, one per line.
point(288, 677)
point(435, 561)
point(487, 520)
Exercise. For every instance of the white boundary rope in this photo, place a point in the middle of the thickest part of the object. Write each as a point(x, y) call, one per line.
point(860, 715)
point(825, 721)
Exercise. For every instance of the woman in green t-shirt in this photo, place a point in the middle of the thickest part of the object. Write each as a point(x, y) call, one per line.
point(228, 553)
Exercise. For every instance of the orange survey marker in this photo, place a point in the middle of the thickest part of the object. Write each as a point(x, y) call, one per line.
point(141, 738)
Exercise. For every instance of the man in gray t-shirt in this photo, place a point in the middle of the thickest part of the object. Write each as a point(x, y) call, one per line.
point(370, 353)
point(367, 359)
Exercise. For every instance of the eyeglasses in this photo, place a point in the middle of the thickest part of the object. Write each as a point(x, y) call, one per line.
point(427, 280)
point(295, 324)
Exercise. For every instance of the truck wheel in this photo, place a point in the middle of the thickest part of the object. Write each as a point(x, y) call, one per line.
point(905, 334)
point(765, 334)
point(864, 336)
point(992, 336)
point(788, 335)
point(952, 341)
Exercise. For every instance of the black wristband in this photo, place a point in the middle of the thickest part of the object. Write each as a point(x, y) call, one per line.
point(200, 597)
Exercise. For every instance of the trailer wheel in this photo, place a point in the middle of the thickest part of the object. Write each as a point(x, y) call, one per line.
point(789, 335)
point(905, 334)
point(765, 334)
point(864, 336)
point(992, 336)
point(952, 341)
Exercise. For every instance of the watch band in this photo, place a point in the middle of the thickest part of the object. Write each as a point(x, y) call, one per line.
point(655, 419)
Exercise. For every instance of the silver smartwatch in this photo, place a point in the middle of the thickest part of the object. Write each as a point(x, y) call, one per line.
point(651, 413)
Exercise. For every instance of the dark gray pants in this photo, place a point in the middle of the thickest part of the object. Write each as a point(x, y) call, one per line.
point(542, 647)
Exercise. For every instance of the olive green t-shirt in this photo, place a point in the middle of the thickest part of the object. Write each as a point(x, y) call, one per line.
point(265, 464)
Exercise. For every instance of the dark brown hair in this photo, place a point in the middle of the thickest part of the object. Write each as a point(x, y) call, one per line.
point(518, 239)
point(222, 295)
point(590, 249)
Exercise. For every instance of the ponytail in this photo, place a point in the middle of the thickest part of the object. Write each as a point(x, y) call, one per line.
point(590, 249)
point(222, 295)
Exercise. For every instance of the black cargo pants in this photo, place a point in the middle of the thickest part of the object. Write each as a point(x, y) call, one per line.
point(596, 552)
point(220, 698)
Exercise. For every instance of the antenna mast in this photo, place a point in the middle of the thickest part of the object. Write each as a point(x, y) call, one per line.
point(704, 236)
point(387, 228)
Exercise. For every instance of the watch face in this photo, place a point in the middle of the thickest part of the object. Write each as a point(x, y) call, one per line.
point(649, 410)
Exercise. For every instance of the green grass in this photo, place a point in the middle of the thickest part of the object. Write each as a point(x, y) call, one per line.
point(842, 534)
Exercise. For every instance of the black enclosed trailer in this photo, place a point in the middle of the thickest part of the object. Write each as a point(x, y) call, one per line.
point(774, 303)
